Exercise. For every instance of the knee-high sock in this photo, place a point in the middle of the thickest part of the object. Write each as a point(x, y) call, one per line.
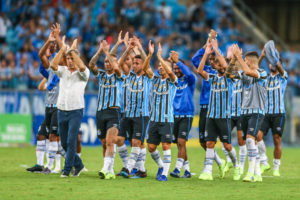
point(140, 163)
point(276, 163)
point(262, 152)
point(179, 163)
point(156, 157)
point(40, 152)
point(134, 154)
point(57, 161)
point(209, 160)
point(233, 157)
point(228, 159)
point(52, 149)
point(186, 166)
point(166, 162)
point(251, 154)
point(257, 163)
point(217, 158)
point(111, 166)
point(242, 157)
point(123, 152)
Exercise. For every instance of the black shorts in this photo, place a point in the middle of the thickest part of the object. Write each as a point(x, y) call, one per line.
point(123, 127)
point(43, 130)
point(275, 122)
point(51, 120)
point(182, 127)
point(251, 124)
point(202, 123)
point(107, 119)
point(236, 122)
point(137, 127)
point(218, 128)
point(160, 132)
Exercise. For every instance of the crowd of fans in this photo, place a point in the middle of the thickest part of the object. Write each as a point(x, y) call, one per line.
point(25, 26)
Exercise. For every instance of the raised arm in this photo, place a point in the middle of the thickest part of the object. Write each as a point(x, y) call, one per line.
point(92, 64)
point(146, 65)
point(230, 72)
point(115, 47)
point(262, 56)
point(42, 85)
point(110, 59)
point(280, 68)
point(185, 69)
point(220, 57)
point(122, 65)
point(248, 71)
point(164, 65)
point(59, 55)
point(140, 48)
point(43, 50)
point(201, 70)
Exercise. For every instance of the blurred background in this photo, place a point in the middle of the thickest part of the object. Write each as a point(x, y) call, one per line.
point(180, 25)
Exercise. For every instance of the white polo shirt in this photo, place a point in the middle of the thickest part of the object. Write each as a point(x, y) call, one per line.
point(71, 88)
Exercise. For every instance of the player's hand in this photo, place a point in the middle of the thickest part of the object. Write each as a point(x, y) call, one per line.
point(174, 56)
point(151, 48)
point(74, 44)
point(64, 46)
point(208, 49)
point(51, 37)
point(159, 50)
point(126, 38)
point(237, 51)
point(212, 34)
point(55, 29)
point(230, 52)
point(105, 46)
point(214, 43)
point(120, 38)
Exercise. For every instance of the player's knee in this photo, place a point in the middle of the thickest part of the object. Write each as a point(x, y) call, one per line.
point(277, 140)
point(166, 146)
point(151, 148)
point(181, 143)
point(120, 141)
point(227, 146)
point(260, 136)
point(210, 144)
point(40, 137)
point(136, 143)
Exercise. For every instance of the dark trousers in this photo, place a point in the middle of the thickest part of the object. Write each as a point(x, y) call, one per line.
point(68, 128)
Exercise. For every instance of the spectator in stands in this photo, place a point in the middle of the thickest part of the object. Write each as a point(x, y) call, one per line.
point(292, 58)
point(34, 74)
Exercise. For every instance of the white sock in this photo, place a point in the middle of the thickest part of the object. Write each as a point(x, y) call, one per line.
point(40, 152)
point(186, 166)
point(233, 157)
point(57, 161)
point(242, 157)
point(276, 163)
point(47, 152)
point(209, 160)
point(166, 161)
point(262, 152)
point(52, 149)
point(156, 157)
point(134, 154)
point(140, 163)
point(226, 153)
point(179, 163)
point(217, 159)
point(123, 152)
point(107, 163)
point(111, 166)
point(257, 163)
point(251, 154)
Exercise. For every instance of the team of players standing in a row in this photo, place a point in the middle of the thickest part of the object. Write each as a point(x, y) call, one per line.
point(133, 101)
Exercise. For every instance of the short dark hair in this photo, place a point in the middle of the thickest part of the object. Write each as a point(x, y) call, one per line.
point(138, 57)
point(252, 53)
point(113, 55)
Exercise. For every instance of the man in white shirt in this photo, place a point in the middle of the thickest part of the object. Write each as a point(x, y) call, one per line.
point(70, 103)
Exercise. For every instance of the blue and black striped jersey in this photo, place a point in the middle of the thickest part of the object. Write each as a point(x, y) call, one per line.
point(220, 97)
point(236, 98)
point(275, 93)
point(110, 89)
point(164, 91)
point(138, 97)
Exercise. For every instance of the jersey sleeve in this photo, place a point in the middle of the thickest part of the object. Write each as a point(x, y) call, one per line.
point(285, 75)
point(262, 74)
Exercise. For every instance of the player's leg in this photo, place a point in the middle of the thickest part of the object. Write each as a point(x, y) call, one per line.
point(261, 145)
point(121, 146)
point(202, 123)
point(277, 130)
point(40, 149)
point(211, 136)
point(112, 126)
point(242, 145)
point(180, 159)
point(152, 142)
point(78, 146)
point(140, 126)
point(254, 125)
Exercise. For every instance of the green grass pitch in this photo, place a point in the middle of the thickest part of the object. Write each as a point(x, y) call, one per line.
point(16, 183)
